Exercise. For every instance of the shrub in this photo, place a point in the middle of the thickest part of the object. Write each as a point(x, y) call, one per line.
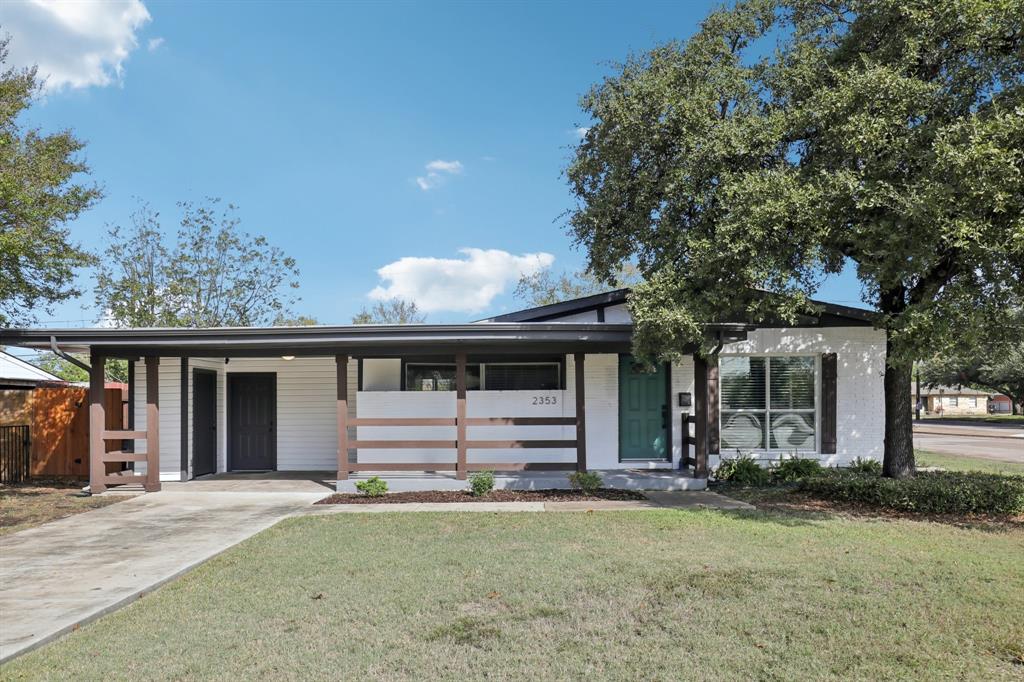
point(481, 483)
point(931, 492)
point(866, 465)
point(372, 487)
point(743, 470)
point(587, 481)
point(795, 469)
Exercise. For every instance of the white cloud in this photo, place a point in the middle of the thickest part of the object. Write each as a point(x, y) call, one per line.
point(154, 44)
point(466, 284)
point(581, 132)
point(76, 44)
point(436, 171)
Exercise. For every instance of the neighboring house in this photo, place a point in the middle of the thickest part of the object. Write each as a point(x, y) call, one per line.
point(551, 389)
point(951, 401)
point(1000, 404)
point(15, 373)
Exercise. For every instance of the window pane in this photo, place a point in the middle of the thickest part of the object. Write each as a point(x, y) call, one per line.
point(742, 383)
point(743, 431)
point(792, 382)
point(513, 377)
point(438, 377)
point(792, 431)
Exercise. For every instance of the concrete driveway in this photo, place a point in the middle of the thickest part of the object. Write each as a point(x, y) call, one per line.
point(69, 572)
point(999, 442)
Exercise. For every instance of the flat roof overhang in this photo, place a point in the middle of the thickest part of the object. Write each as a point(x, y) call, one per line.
point(353, 340)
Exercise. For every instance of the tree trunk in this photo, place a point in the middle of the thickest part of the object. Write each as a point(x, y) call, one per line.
point(899, 431)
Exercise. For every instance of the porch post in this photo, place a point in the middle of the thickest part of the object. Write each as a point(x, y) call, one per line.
point(152, 483)
point(97, 424)
point(342, 370)
point(460, 416)
point(700, 412)
point(581, 414)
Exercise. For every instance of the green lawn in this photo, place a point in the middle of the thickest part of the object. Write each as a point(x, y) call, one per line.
point(615, 595)
point(924, 458)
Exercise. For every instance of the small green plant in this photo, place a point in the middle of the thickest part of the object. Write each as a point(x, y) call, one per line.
point(743, 470)
point(587, 481)
point(865, 465)
point(372, 487)
point(481, 483)
point(795, 469)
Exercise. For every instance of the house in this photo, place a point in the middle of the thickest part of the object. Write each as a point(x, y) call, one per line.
point(16, 374)
point(1000, 404)
point(952, 401)
point(543, 392)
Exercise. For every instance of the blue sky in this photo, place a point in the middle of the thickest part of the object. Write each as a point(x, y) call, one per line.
point(319, 120)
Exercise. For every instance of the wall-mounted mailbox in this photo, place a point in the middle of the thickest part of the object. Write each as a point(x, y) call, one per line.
point(684, 400)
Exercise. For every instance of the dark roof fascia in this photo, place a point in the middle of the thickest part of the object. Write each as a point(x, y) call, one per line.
point(832, 314)
point(390, 339)
point(553, 310)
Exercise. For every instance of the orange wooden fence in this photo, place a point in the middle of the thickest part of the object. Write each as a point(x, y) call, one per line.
point(60, 429)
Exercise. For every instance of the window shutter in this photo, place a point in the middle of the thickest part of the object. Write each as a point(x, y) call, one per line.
point(714, 445)
point(829, 372)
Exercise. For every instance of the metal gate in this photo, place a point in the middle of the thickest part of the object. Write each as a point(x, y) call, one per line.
point(14, 453)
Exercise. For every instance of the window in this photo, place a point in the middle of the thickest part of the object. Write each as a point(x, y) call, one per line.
point(971, 401)
point(523, 376)
point(492, 376)
point(438, 377)
point(951, 401)
point(768, 402)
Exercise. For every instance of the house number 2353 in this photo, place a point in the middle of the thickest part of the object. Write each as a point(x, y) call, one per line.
point(545, 400)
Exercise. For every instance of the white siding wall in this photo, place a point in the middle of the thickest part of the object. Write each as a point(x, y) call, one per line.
point(170, 416)
point(307, 436)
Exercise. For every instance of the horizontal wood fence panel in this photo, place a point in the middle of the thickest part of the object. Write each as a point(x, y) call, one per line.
point(124, 480)
point(123, 435)
point(401, 421)
point(121, 456)
point(527, 444)
point(521, 421)
point(521, 466)
point(401, 444)
point(402, 466)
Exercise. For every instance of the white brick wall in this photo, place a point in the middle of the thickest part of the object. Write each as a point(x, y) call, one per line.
point(860, 408)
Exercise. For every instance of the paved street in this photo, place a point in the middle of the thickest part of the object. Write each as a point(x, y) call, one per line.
point(985, 441)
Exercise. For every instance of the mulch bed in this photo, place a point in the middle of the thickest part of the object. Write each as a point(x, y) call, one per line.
point(552, 495)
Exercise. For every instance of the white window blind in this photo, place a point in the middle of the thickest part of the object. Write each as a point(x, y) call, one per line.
point(768, 402)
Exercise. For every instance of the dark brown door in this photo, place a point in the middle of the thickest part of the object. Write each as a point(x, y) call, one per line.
point(204, 422)
point(252, 413)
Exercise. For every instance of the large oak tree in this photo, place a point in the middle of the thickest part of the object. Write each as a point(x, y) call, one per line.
point(787, 140)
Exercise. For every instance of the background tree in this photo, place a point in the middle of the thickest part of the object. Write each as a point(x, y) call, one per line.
point(116, 370)
point(394, 311)
point(545, 288)
point(885, 135)
point(297, 321)
point(38, 196)
point(213, 275)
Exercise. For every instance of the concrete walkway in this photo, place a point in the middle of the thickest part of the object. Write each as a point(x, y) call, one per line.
point(69, 572)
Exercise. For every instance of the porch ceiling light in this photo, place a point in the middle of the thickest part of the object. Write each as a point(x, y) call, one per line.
point(287, 357)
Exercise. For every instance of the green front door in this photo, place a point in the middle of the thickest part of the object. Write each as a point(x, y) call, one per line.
point(643, 412)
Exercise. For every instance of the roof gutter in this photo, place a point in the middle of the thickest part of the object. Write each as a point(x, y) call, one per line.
point(70, 358)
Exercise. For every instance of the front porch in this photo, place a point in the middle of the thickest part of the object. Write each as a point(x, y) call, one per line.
point(421, 407)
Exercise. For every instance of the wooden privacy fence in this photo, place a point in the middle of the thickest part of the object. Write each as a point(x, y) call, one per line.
point(60, 429)
point(14, 453)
